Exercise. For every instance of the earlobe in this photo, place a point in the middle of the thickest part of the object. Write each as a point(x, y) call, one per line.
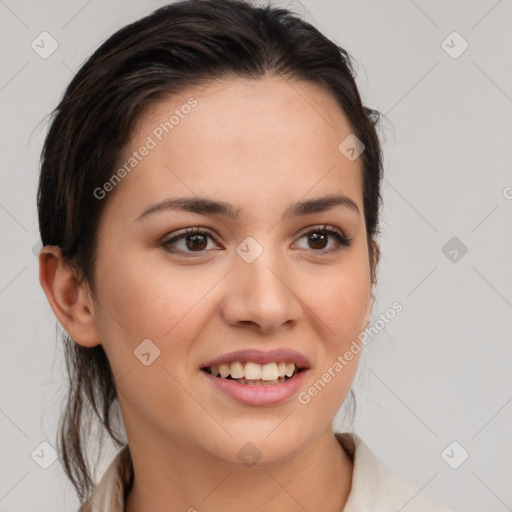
point(70, 302)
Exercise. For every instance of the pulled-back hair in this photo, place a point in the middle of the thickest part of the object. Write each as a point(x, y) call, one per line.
point(177, 46)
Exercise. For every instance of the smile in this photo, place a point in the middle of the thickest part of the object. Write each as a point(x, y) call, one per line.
point(254, 374)
point(257, 392)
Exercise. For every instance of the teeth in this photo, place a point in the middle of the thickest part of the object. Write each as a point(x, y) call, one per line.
point(237, 370)
point(290, 367)
point(270, 372)
point(253, 371)
point(224, 370)
point(262, 382)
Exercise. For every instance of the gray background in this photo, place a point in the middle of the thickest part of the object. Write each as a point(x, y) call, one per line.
point(440, 371)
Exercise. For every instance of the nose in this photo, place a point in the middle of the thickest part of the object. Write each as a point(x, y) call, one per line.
point(261, 294)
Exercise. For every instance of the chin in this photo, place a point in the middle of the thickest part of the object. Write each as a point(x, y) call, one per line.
point(261, 449)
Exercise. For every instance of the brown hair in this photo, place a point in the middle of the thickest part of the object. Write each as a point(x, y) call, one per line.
point(177, 46)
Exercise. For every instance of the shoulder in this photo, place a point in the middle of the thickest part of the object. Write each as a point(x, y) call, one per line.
point(376, 487)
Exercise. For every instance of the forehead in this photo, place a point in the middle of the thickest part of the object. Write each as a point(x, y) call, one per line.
point(236, 110)
point(241, 137)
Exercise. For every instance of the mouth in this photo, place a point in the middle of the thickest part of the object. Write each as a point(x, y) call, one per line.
point(254, 374)
point(258, 377)
point(260, 383)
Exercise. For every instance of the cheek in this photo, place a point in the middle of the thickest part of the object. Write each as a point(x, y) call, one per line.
point(340, 300)
point(140, 302)
point(150, 300)
point(340, 309)
point(160, 301)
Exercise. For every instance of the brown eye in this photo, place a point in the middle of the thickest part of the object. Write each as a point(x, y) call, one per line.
point(192, 240)
point(318, 239)
point(198, 242)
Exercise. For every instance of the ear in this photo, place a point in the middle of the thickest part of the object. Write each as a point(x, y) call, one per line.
point(375, 262)
point(71, 302)
point(373, 276)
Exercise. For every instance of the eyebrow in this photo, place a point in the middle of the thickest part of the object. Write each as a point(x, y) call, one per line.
point(205, 206)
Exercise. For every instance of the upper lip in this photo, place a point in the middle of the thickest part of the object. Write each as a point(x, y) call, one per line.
point(280, 355)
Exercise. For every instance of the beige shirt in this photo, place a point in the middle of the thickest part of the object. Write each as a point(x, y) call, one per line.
point(375, 487)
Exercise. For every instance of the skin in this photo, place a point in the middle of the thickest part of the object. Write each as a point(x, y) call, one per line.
point(184, 435)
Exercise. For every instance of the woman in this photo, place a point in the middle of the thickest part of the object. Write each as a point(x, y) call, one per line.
point(208, 205)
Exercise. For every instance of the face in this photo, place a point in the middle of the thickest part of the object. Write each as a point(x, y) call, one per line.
point(258, 273)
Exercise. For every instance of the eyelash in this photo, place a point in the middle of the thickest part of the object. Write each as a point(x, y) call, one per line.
point(341, 239)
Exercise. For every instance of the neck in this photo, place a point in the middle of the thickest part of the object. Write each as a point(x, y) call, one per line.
point(319, 478)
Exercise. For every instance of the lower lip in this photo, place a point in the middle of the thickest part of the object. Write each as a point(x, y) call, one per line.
point(259, 394)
